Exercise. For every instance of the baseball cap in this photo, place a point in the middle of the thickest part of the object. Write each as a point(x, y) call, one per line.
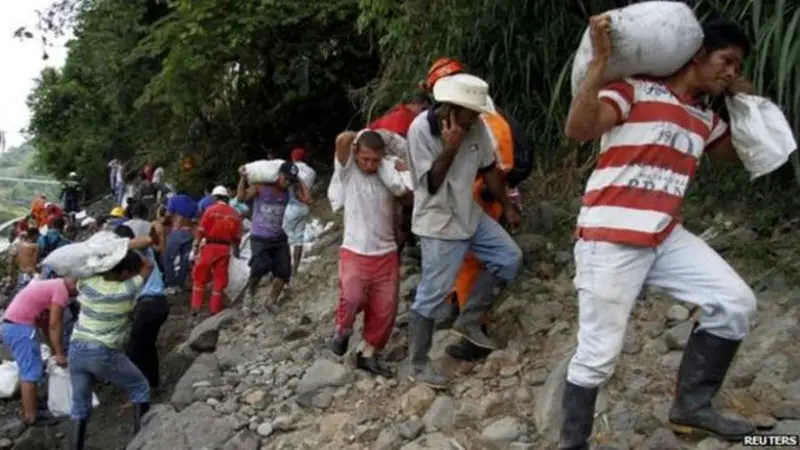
point(220, 191)
point(289, 170)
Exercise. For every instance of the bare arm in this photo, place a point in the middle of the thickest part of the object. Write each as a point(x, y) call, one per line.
point(344, 142)
point(441, 165)
point(493, 178)
point(302, 193)
point(723, 151)
point(140, 243)
point(56, 328)
point(589, 117)
point(244, 190)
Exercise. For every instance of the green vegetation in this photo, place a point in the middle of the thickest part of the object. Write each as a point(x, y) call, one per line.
point(224, 80)
point(17, 195)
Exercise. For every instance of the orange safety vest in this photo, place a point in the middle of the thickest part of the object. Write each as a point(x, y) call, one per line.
point(504, 141)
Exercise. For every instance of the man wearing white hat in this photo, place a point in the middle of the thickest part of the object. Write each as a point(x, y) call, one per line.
point(220, 229)
point(448, 147)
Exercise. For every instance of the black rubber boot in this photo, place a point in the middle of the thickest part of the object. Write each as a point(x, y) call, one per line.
point(77, 435)
point(467, 351)
point(139, 410)
point(421, 332)
point(705, 362)
point(578, 404)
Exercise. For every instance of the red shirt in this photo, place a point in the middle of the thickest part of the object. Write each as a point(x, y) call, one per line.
point(52, 212)
point(220, 224)
point(398, 120)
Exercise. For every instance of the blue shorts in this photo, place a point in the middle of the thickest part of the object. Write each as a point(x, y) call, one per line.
point(22, 342)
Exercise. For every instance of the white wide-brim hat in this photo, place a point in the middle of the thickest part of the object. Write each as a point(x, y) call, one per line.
point(467, 91)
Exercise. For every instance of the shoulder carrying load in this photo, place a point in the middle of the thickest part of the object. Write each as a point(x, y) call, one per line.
point(762, 137)
point(263, 170)
point(98, 254)
point(648, 38)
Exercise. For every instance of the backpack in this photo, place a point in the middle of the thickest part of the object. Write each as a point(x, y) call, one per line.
point(523, 153)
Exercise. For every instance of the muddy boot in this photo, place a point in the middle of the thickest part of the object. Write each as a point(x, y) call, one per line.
point(468, 323)
point(705, 362)
point(467, 351)
point(421, 331)
point(77, 435)
point(339, 344)
point(139, 410)
point(578, 403)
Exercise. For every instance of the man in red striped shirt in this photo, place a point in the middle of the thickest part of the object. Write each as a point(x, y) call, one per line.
point(653, 133)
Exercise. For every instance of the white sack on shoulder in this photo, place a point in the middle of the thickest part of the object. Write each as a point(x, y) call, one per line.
point(398, 182)
point(263, 170)
point(306, 174)
point(98, 254)
point(59, 391)
point(760, 133)
point(650, 38)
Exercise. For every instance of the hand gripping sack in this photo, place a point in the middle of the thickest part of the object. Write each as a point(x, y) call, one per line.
point(263, 171)
point(648, 38)
point(59, 391)
point(98, 254)
point(762, 137)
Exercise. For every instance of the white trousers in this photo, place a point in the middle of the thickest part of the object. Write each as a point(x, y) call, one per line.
point(609, 278)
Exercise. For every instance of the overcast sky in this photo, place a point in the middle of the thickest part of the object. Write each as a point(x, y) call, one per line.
point(21, 64)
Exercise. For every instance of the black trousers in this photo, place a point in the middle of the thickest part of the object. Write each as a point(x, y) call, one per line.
point(150, 313)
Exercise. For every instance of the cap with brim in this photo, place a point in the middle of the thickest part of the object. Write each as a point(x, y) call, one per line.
point(289, 170)
point(467, 91)
point(220, 191)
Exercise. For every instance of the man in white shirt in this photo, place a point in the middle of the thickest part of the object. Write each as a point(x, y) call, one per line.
point(369, 266)
point(448, 146)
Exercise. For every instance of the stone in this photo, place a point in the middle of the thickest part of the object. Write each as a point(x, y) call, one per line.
point(411, 429)
point(504, 431)
point(6, 443)
point(433, 441)
point(254, 397)
point(677, 313)
point(548, 413)
point(204, 336)
point(763, 421)
point(536, 377)
point(662, 439)
point(196, 426)
point(243, 440)
point(787, 410)
point(334, 424)
point(711, 443)
point(204, 368)
point(324, 373)
point(441, 414)
point(264, 430)
point(388, 439)
point(678, 336)
point(417, 400)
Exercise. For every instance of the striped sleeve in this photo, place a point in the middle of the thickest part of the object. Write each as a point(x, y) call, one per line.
point(620, 95)
point(719, 131)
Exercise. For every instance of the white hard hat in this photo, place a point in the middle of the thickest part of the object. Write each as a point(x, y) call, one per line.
point(73, 174)
point(220, 191)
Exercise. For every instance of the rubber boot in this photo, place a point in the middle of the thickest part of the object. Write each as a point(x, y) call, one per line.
point(705, 362)
point(468, 323)
point(421, 330)
point(139, 410)
point(578, 403)
point(467, 351)
point(77, 435)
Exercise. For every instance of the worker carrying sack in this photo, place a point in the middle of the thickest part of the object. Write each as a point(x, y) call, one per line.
point(648, 38)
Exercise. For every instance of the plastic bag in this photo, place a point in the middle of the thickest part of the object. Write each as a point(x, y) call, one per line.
point(98, 254)
point(762, 137)
point(263, 171)
point(9, 379)
point(648, 38)
point(335, 188)
point(238, 274)
point(59, 391)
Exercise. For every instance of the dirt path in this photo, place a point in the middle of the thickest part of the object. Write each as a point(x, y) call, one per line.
point(111, 426)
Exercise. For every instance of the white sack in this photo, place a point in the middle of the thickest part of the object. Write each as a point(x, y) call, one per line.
point(238, 274)
point(649, 38)
point(59, 391)
point(263, 171)
point(335, 189)
point(306, 174)
point(762, 137)
point(100, 253)
point(9, 379)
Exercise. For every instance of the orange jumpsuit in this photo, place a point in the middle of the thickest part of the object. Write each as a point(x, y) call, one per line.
point(38, 212)
point(221, 226)
point(501, 131)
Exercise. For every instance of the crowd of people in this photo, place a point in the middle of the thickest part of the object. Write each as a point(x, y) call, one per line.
point(440, 172)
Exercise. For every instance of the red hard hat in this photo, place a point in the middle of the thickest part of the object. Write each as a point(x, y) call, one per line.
point(441, 68)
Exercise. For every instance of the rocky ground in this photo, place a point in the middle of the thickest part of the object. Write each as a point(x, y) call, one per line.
point(270, 383)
